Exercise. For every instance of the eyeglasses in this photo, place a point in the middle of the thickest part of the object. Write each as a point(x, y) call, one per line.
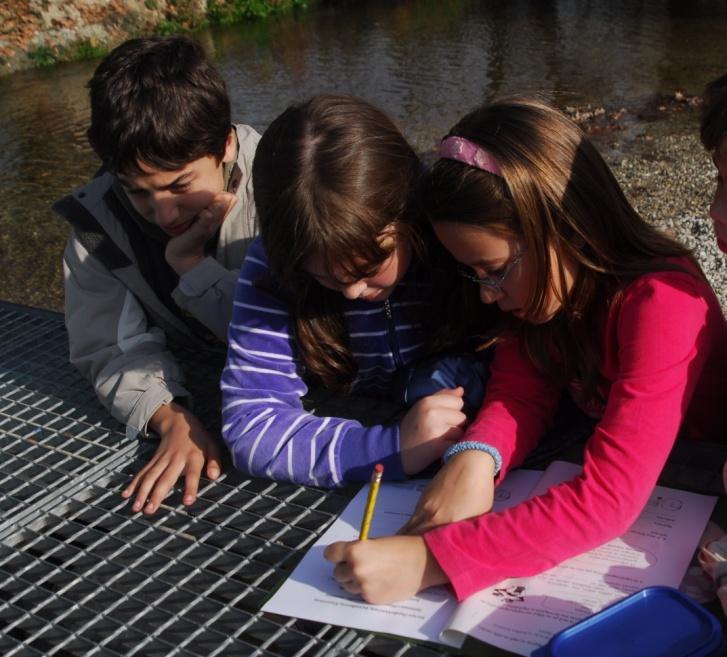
point(495, 282)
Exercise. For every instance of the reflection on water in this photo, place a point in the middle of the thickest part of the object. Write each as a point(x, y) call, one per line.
point(425, 61)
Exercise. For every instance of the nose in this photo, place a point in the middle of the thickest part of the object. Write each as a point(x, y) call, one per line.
point(490, 294)
point(354, 290)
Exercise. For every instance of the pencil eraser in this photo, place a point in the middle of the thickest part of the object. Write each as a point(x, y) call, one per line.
point(379, 468)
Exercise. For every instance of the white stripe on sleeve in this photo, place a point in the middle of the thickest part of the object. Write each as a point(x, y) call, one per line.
point(259, 437)
point(279, 446)
point(332, 454)
point(323, 425)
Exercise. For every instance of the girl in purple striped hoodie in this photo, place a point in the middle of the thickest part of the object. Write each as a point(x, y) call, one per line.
point(335, 292)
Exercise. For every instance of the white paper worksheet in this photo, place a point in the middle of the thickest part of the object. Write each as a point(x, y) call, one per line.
point(312, 593)
point(518, 615)
point(522, 614)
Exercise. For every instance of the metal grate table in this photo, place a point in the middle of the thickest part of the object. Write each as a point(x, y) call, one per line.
point(80, 574)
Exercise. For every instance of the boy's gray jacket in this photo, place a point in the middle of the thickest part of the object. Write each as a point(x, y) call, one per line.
point(117, 325)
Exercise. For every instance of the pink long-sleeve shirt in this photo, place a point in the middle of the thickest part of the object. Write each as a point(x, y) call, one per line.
point(665, 364)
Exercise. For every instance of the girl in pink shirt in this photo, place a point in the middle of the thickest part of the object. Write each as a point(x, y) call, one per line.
point(599, 303)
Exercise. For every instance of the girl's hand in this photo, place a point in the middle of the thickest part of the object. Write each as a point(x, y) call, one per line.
point(463, 488)
point(429, 427)
point(385, 570)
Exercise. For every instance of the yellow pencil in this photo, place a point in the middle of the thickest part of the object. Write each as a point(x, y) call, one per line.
point(371, 502)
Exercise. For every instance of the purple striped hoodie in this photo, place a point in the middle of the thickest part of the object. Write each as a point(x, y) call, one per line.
point(265, 426)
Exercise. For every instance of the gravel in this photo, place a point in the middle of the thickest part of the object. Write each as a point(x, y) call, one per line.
point(670, 179)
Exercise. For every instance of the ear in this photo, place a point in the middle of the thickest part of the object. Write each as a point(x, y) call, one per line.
point(390, 230)
point(230, 148)
point(389, 234)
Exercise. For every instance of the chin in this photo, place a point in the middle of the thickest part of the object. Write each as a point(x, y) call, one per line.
point(380, 295)
point(543, 318)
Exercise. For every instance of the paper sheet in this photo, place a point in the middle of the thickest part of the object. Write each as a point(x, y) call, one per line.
point(312, 593)
point(521, 615)
point(517, 614)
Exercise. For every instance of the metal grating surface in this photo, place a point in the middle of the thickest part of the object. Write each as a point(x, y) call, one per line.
point(82, 575)
point(52, 430)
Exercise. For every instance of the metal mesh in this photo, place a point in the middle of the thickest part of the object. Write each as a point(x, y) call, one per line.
point(80, 574)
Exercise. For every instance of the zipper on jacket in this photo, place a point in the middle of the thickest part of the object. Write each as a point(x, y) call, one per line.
point(392, 335)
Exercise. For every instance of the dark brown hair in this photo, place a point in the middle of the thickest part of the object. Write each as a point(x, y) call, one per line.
point(159, 102)
point(713, 129)
point(555, 191)
point(330, 175)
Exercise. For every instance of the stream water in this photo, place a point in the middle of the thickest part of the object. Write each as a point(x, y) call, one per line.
point(425, 61)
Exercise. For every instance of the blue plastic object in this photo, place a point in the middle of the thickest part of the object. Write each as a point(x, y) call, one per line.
point(657, 621)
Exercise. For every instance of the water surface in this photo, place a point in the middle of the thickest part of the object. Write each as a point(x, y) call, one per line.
point(425, 61)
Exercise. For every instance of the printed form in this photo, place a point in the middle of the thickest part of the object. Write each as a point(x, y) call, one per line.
point(522, 614)
point(518, 615)
point(312, 593)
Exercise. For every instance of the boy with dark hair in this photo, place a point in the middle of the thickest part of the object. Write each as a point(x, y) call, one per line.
point(713, 132)
point(157, 239)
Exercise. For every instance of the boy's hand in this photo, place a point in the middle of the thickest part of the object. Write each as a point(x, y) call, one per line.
point(184, 448)
point(429, 427)
point(463, 488)
point(385, 570)
point(185, 251)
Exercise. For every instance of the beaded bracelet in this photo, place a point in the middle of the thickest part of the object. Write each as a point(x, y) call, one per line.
point(473, 444)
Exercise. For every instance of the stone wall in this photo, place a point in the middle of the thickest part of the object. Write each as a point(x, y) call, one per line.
point(41, 32)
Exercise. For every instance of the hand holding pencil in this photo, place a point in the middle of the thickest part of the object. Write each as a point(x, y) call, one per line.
point(385, 569)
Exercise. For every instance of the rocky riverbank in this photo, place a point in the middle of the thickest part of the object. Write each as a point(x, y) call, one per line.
point(43, 32)
point(670, 179)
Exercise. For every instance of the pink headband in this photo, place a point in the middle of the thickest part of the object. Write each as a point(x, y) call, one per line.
point(465, 151)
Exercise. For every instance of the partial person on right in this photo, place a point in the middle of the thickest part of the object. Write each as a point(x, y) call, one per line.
point(713, 132)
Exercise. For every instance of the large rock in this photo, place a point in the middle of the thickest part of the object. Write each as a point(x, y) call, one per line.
point(34, 32)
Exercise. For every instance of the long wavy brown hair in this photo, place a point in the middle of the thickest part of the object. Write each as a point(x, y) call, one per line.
point(330, 176)
point(555, 191)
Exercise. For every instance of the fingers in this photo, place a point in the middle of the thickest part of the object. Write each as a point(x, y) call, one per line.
point(229, 200)
point(143, 482)
point(192, 473)
point(336, 552)
point(156, 484)
point(207, 221)
point(343, 572)
point(157, 478)
point(453, 434)
point(454, 417)
point(452, 392)
point(443, 399)
point(214, 460)
point(129, 490)
point(211, 218)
